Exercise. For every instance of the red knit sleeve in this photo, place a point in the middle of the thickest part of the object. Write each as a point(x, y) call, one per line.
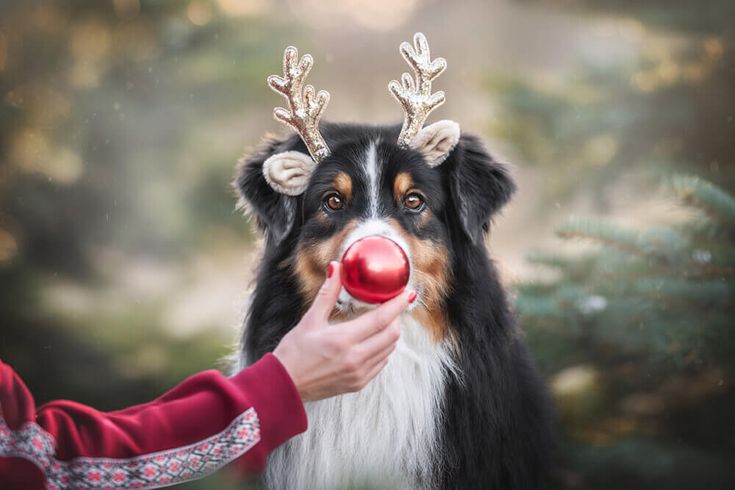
point(202, 424)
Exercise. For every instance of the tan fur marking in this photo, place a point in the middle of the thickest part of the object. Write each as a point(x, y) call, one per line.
point(312, 261)
point(343, 184)
point(431, 276)
point(401, 185)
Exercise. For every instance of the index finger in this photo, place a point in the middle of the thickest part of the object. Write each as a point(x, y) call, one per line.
point(327, 296)
point(376, 320)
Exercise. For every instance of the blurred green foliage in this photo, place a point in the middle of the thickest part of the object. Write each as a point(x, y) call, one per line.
point(635, 324)
point(103, 165)
point(671, 110)
point(639, 332)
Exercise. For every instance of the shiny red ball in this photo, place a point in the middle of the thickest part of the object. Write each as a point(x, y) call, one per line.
point(375, 269)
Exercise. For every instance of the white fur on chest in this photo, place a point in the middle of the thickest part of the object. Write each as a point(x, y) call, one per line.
point(383, 436)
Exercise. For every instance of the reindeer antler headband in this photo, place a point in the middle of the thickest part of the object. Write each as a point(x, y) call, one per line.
point(415, 95)
point(305, 109)
point(289, 172)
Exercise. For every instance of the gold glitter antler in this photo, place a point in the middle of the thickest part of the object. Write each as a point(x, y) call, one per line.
point(415, 95)
point(305, 108)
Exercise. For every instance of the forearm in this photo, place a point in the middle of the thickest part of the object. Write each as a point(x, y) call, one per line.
point(199, 426)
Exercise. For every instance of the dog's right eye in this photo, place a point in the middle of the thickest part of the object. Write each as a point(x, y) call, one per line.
point(333, 202)
point(414, 202)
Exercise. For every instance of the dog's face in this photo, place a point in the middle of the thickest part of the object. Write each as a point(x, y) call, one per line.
point(369, 185)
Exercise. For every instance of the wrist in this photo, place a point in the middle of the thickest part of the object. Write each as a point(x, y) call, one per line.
point(270, 391)
point(285, 361)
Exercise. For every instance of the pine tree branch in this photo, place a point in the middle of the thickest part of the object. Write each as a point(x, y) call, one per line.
point(559, 261)
point(662, 243)
point(601, 232)
point(715, 202)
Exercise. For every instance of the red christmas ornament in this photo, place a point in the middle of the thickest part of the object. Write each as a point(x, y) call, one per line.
point(375, 269)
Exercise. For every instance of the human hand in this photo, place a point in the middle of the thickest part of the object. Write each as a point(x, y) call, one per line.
point(326, 359)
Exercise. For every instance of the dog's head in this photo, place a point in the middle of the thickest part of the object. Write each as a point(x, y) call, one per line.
point(430, 189)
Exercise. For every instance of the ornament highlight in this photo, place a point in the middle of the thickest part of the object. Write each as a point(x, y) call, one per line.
point(375, 269)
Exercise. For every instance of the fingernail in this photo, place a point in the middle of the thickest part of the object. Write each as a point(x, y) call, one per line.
point(412, 297)
point(330, 271)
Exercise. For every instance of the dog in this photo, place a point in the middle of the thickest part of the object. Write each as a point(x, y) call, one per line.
point(460, 403)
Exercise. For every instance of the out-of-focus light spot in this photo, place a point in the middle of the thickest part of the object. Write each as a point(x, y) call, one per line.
point(240, 7)
point(600, 150)
point(574, 380)
point(69, 298)
point(199, 12)
point(631, 29)
point(578, 392)
point(3, 51)
point(713, 48)
point(702, 256)
point(581, 94)
point(657, 51)
point(665, 69)
point(606, 28)
point(380, 15)
point(49, 18)
point(149, 360)
point(592, 304)
point(136, 39)
point(66, 167)
point(668, 72)
point(28, 148)
point(693, 73)
point(44, 105)
point(643, 404)
point(89, 44)
point(32, 153)
point(613, 27)
point(90, 40)
point(85, 75)
point(645, 81)
point(8, 247)
point(126, 9)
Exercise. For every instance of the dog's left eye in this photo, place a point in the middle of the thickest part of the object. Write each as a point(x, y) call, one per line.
point(333, 202)
point(414, 201)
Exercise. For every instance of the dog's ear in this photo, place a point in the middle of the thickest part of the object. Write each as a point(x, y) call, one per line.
point(256, 184)
point(436, 141)
point(479, 185)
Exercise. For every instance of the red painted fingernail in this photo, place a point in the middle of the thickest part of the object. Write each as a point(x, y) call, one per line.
point(412, 297)
point(330, 271)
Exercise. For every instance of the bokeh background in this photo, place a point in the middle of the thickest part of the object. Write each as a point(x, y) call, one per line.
point(125, 267)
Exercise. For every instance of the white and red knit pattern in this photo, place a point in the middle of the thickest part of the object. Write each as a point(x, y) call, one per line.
point(153, 470)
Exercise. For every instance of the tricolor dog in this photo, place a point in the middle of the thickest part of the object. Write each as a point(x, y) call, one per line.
point(460, 403)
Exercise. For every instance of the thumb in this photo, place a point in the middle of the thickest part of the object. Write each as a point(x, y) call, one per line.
point(327, 296)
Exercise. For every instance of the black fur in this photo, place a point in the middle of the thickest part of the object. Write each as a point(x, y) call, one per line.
point(497, 425)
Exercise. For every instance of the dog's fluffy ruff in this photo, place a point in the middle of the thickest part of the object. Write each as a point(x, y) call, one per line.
point(386, 434)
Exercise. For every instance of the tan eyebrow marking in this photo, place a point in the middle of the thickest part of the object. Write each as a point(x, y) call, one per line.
point(401, 184)
point(343, 184)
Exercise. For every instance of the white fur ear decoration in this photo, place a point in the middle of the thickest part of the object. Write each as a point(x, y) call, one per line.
point(436, 141)
point(288, 172)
